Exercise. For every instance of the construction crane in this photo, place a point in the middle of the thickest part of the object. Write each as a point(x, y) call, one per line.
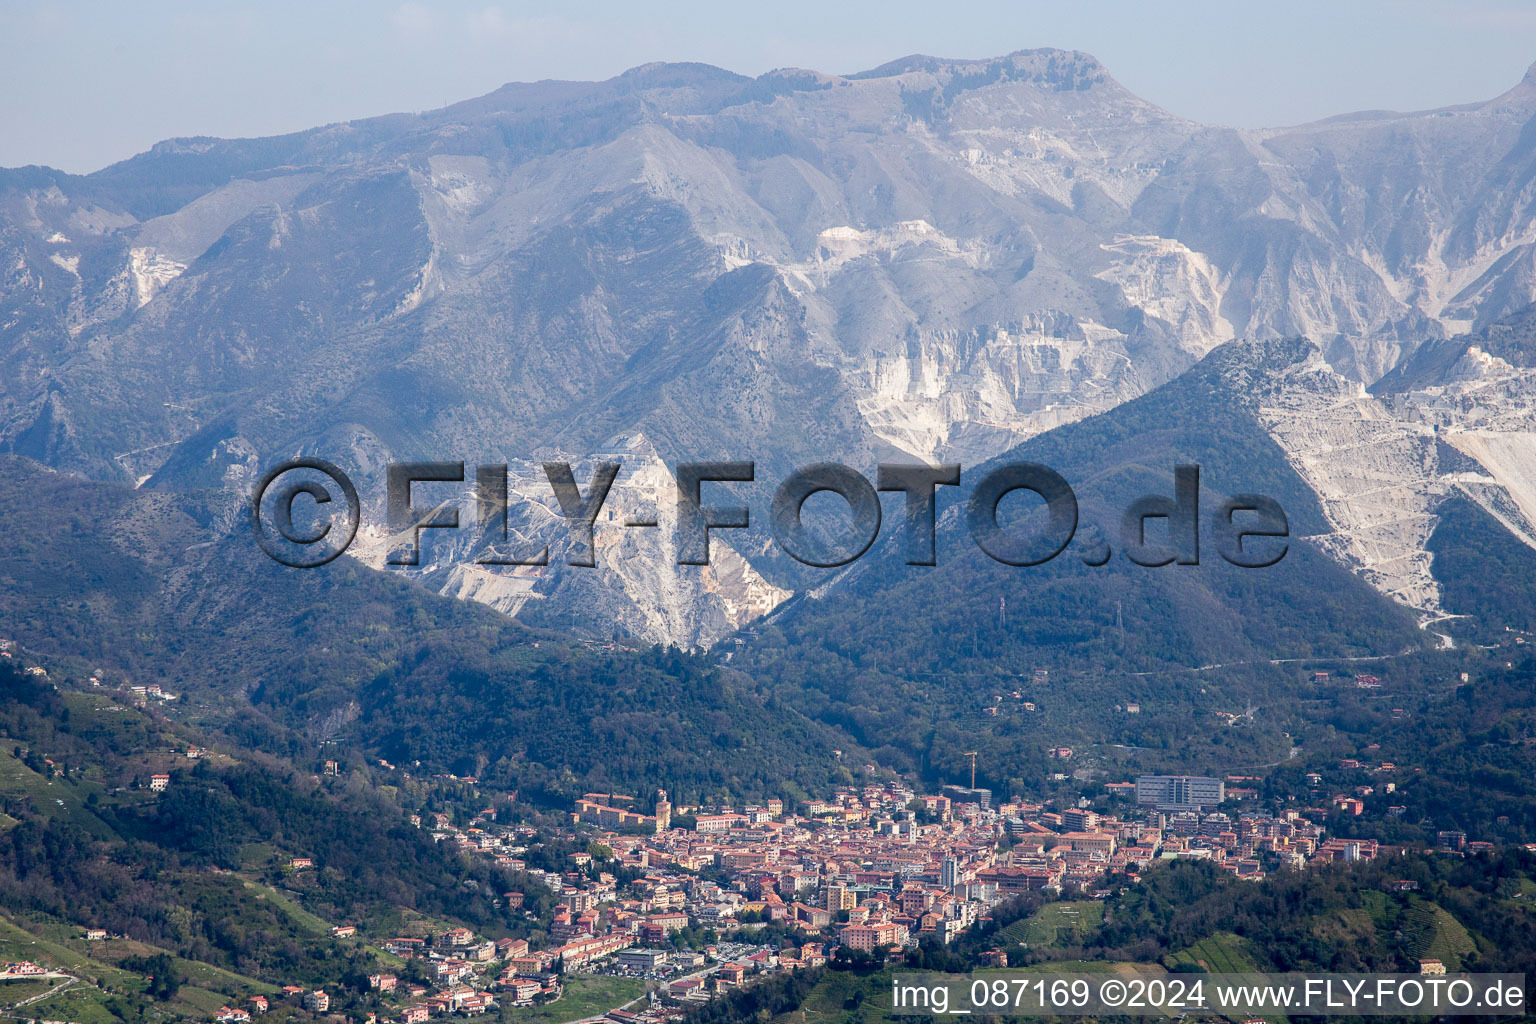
point(972, 755)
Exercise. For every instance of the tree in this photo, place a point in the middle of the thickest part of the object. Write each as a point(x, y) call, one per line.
point(164, 981)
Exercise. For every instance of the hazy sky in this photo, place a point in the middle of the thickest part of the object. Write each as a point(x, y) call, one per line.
point(88, 83)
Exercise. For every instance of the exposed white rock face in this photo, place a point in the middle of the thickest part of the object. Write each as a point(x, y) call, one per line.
point(1509, 491)
point(1379, 469)
point(504, 588)
point(151, 271)
point(636, 585)
point(915, 239)
point(970, 396)
point(1486, 409)
point(659, 600)
point(461, 183)
point(940, 392)
point(1168, 280)
point(1376, 477)
point(944, 258)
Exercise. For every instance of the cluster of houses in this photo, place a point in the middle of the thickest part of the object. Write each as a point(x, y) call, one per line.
point(314, 1000)
point(865, 870)
point(870, 867)
point(882, 865)
point(470, 975)
point(457, 963)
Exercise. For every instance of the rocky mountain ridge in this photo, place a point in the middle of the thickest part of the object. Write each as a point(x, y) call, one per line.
point(931, 260)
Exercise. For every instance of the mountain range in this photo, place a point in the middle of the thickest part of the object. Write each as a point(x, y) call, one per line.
point(932, 260)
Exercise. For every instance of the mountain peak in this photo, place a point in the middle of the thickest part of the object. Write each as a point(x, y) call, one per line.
point(678, 74)
point(1521, 94)
point(1047, 61)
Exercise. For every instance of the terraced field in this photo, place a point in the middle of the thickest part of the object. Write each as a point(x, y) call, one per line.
point(1056, 924)
point(1431, 932)
point(1222, 953)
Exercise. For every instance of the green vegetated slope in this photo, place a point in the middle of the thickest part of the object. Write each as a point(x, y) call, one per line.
point(581, 996)
point(1066, 923)
point(1470, 755)
point(196, 917)
point(108, 981)
point(914, 666)
point(151, 587)
point(1484, 570)
point(1429, 931)
point(1475, 914)
point(1360, 918)
point(909, 659)
point(1222, 953)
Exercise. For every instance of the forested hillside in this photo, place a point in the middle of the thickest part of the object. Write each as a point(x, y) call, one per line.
point(908, 659)
point(200, 875)
point(146, 586)
point(1476, 914)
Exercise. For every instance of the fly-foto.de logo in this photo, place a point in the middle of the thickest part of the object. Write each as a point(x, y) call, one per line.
point(305, 512)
